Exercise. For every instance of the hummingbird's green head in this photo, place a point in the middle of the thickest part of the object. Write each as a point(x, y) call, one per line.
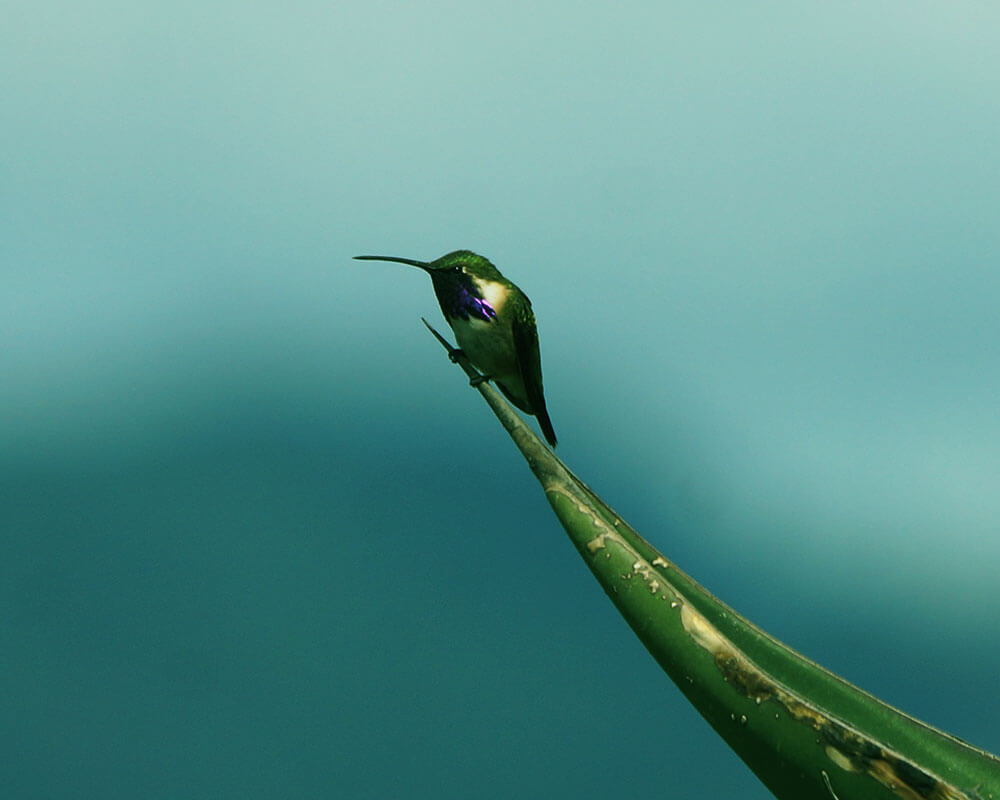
point(467, 263)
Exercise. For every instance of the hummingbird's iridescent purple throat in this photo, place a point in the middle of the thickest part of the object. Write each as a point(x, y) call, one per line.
point(494, 326)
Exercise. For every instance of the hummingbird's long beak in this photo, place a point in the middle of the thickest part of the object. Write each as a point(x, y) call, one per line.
point(422, 264)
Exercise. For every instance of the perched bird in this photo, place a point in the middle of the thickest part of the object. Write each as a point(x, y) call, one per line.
point(493, 324)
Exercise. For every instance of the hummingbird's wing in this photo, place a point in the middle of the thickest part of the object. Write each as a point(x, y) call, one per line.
point(530, 361)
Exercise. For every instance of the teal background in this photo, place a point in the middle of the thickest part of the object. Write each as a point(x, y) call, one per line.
point(259, 539)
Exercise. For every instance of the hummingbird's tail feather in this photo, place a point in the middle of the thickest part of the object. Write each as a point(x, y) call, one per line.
point(529, 362)
point(546, 425)
point(538, 409)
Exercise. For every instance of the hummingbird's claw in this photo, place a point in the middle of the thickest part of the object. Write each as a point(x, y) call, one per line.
point(454, 353)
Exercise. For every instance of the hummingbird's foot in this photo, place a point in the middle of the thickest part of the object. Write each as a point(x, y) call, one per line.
point(454, 353)
point(478, 380)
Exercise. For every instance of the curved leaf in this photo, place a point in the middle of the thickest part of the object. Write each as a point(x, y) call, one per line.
point(805, 732)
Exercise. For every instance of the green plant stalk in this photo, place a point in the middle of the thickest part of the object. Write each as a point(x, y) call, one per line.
point(805, 732)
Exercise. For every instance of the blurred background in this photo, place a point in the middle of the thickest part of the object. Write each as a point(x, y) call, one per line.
point(257, 536)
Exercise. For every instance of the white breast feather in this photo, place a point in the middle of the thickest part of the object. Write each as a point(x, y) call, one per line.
point(493, 293)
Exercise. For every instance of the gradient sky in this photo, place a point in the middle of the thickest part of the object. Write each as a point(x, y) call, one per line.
point(258, 539)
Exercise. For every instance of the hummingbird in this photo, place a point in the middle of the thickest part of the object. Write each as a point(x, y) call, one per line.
point(494, 326)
